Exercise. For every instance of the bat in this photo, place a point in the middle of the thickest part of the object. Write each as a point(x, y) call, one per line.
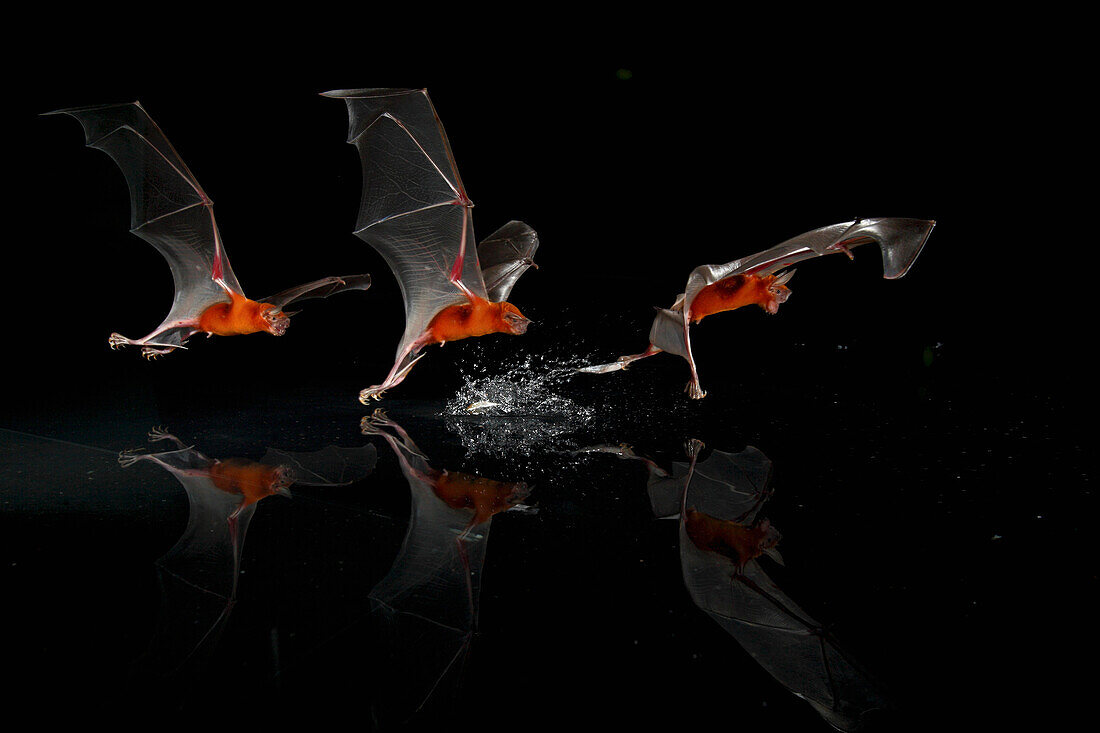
point(761, 279)
point(416, 213)
point(199, 574)
point(170, 210)
point(429, 598)
point(718, 502)
point(722, 539)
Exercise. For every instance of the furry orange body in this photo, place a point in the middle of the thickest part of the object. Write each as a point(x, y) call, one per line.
point(485, 496)
point(738, 290)
point(478, 317)
point(249, 480)
point(736, 541)
point(241, 316)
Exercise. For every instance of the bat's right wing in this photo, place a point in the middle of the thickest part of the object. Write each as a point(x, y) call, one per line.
point(414, 209)
point(318, 289)
point(168, 209)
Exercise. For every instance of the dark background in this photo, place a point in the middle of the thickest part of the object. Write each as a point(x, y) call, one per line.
point(638, 149)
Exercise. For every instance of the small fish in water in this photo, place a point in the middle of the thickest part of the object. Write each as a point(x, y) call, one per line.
point(481, 405)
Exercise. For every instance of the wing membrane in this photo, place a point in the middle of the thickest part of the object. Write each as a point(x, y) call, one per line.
point(168, 207)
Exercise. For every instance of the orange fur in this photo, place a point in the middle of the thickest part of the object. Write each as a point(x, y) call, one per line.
point(731, 293)
point(251, 481)
point(479, 317)
point(485, 496)
point(238, 317)
point(737, 542)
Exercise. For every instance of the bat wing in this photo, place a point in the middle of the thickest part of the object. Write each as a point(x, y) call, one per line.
point(901, 240)
point(330, 466)
point(504, 256)
point(318, 289)
point(414, 209)
point(168, 208)
point(730, 485)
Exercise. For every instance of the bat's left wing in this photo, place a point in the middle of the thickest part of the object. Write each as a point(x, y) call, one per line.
point(505, 255)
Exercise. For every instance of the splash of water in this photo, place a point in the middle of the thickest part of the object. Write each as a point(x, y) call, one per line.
point(518, 407)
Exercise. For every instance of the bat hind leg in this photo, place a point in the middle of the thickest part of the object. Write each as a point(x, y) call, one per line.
point(150, 347)
point(694, 388)
point(397, 374)
point(621, 363)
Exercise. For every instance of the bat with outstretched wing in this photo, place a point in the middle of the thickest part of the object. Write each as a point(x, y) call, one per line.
point(428, 601)
point(415, 211)
point(170, 211)
point(722, 543)
point(761, 279)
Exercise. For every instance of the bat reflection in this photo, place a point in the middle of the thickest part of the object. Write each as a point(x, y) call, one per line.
point(415, 212)
point(170, 211)
point(723, 539)
point(199, 574)
point(428, 602)
point(761, 279)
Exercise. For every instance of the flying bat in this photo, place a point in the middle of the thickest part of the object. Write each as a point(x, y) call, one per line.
point(170, 210)
point(761, 279)
point(415, 211)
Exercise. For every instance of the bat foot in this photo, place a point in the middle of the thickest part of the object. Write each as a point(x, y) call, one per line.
point(695, 390)
point(116, 341)
point(129, 457)
point(152, 354)
point(602, 368)
point(693, 446)
point(371, 393)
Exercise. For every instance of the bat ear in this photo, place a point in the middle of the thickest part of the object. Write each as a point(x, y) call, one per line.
point(784, 278)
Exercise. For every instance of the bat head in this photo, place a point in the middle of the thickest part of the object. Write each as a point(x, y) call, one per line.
point(275, 321)
point(776, 291)
point(514, 322)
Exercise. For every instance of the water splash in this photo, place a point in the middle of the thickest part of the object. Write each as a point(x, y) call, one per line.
point(518, 406)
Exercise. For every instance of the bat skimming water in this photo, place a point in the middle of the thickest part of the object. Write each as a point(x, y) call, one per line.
point(414, 210)
point(756, 279)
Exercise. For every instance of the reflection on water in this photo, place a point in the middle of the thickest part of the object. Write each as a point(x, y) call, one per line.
point(199, 575)
point(723, 538)
point(368, 580)
point(428, 601)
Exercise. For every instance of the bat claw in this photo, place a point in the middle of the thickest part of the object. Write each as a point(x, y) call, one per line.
point(695, 390)
point(371, 393)
point(116, 341)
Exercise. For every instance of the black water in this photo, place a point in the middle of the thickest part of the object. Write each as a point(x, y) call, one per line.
point(934, 536)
